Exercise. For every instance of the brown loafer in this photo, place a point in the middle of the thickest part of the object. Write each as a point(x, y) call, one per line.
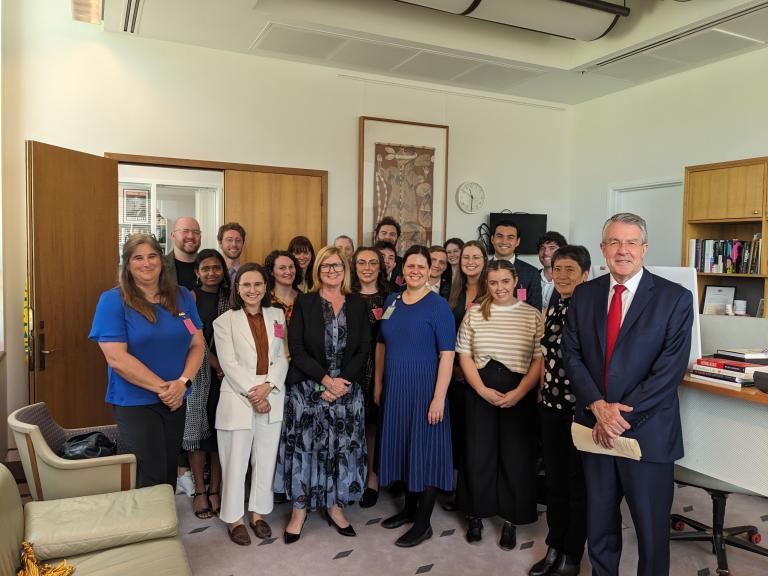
point(261, 529)
point(239, 535)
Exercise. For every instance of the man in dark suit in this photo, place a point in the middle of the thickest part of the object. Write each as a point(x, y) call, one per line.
point(549, 243)
point(505, 238)
point(626, 350)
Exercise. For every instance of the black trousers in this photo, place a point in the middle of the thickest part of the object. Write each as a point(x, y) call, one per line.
point(499, 473)
point(456, 392)
point(566, 490)
point(153, 433)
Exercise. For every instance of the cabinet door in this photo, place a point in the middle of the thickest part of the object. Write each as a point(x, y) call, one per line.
point(725, 193)
point(705, 195)
point(745, 191)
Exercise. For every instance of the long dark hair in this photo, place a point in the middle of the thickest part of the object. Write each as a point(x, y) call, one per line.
point(235, 301)
point(269, 266)
point(132, 296)
point(381, 278)
point(211, 253)
point(459, 284)
point(303, 244)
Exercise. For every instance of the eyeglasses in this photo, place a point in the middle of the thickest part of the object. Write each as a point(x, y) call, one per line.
point(187, 231)
point(631, 244)
point(335, 267)
point(367, 263)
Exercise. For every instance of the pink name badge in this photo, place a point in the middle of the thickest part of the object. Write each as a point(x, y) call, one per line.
point(522, 294)
point(399, 280)
point(191, 328)
point(377, 312)
point(279, 330)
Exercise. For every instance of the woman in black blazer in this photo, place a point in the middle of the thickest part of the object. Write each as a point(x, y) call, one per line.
point(321, 462)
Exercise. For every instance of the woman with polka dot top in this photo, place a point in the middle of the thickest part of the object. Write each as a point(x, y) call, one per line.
point(566, 491)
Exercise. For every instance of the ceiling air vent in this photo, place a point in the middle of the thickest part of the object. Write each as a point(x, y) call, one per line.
point(575, 19)
point(131, 15)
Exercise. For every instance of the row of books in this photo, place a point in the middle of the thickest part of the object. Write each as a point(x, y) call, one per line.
point(726, 256)
point(731, 368)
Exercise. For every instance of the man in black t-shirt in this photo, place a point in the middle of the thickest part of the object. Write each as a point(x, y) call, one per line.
point(180, 261)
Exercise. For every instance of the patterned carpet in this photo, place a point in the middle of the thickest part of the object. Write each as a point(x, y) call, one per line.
point(321, 551)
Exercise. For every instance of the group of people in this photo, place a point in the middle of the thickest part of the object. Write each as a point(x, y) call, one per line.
point(327, 375)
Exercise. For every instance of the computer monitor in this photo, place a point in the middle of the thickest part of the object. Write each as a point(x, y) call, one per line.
point(686, 277)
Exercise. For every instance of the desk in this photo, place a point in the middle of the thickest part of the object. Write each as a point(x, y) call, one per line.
point(725, 432)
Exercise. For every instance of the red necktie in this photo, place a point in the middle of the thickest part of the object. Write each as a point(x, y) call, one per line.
point(613, 326)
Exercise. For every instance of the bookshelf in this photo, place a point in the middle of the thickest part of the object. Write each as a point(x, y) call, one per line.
point(726, 202)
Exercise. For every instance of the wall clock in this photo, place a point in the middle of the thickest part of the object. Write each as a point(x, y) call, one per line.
point(470, 197)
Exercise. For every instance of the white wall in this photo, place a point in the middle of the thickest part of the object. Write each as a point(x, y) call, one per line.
point(72, 85)
point(710, 114)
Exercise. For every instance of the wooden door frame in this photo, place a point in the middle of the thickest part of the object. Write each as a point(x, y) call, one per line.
point(223, 166)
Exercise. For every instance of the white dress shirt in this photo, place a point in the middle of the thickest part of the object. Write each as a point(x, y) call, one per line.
point(628, 294)
point(547, 287)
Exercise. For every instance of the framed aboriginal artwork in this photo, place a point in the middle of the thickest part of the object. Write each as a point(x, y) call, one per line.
point(402, 173)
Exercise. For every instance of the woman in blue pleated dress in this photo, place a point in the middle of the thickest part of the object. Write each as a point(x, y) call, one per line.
point(414, 360)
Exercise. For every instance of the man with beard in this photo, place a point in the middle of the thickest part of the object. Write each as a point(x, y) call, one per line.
point(181, 260)
point(231, 237)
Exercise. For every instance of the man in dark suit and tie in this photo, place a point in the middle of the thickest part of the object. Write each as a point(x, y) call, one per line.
point(626, 350)
point(505, 238)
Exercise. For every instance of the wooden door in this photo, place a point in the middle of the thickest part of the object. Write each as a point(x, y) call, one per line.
point(275, 207)
point(72, 258)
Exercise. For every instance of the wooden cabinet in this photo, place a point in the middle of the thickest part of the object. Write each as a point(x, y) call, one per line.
point(727, 201)
point(724, 193)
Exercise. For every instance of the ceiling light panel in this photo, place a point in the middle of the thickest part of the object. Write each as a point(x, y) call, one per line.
point(641, 67)
point(705, 46)
point(305, 43)
point(440, 67)
point(375, 55)
point(754, 25)
point(494, 77)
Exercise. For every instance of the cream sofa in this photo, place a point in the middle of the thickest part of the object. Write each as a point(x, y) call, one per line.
point(121, 533)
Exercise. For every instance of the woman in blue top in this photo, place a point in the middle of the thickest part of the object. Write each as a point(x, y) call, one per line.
point(414, 360)
point(149, 331)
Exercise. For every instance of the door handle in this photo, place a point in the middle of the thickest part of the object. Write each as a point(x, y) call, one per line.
point(42, 351)
point(51, 351)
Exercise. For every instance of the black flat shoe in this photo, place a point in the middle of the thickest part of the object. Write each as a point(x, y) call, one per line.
point(413, 538)
point(568, 566)
point(398, 520)
point(475, 530)
point(346, 531)
point(290, 537)
point(370, 497)
point(508, 539)
point(545, 565)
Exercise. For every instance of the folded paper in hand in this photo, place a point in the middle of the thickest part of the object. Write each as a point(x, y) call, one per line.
point(623, 447)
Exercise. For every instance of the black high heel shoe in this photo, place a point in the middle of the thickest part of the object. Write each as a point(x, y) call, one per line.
point(290, 537)
point(347, 531)
point(370, 497)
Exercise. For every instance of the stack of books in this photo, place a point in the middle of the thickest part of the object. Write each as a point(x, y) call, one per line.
point(731, 368)
point(726, 256)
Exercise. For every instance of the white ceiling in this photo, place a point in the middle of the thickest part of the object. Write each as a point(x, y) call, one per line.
point(394, 39)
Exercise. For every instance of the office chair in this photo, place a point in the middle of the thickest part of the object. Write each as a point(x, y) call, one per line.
point(718, 535)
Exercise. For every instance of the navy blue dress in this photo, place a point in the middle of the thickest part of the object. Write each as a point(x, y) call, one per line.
point(322, 458)
point(412, 450)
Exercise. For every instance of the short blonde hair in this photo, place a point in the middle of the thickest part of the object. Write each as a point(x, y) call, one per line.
point(323, 255)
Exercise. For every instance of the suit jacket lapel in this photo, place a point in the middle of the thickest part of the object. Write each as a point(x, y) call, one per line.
point(639, 301)
point(269, 324)
point(241, 326)
point(601, 311)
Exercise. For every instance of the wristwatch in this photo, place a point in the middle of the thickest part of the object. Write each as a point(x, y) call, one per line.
point(187, 382)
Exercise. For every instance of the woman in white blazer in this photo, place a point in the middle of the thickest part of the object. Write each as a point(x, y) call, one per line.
point(250, 409)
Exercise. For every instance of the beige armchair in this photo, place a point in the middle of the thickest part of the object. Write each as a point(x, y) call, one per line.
point(49, 476)
point(131, 532)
